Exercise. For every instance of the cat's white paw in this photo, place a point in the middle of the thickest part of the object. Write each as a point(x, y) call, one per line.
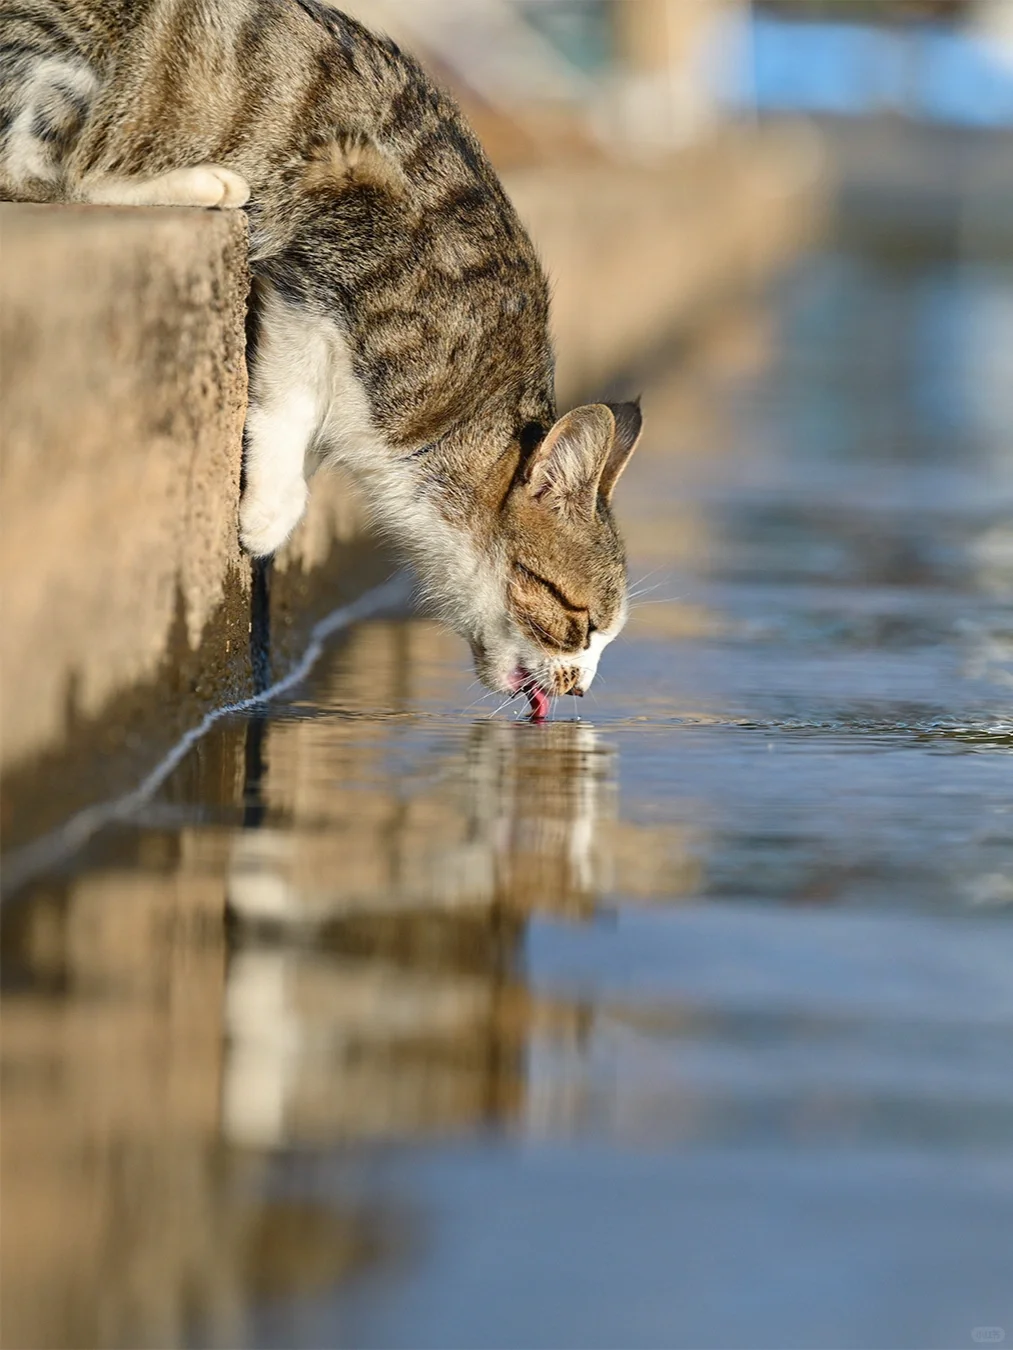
point(203, 185)
point(211, 185)
point(266, 522)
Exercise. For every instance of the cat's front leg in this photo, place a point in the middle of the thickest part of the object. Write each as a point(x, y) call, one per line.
point(290, 376)
point(275, 494)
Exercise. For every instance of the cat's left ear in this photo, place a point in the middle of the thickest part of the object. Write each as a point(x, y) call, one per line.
point(629, 424)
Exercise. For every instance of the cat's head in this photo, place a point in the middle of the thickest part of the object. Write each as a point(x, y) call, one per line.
point(553, 593)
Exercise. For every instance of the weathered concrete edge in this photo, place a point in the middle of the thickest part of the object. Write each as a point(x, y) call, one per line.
point(126, 600)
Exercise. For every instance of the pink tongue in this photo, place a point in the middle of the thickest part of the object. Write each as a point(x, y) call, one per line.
point(539, 701)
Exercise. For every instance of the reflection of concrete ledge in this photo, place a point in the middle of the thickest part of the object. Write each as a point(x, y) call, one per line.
point(125, 598)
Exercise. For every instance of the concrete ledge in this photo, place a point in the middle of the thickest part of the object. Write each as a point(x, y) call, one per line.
point(123, 389)
point(125, 598)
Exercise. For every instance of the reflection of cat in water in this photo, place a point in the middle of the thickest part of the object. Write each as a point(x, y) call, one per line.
point(542, 802)
point(402, 1015)
point(517, 823)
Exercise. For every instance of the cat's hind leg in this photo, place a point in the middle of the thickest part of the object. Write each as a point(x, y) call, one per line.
point(46, 92)
point(290, 375)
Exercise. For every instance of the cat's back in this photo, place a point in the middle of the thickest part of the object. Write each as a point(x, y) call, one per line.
point(264, 87)
point(89, 30)
point(53, 57)
point(369, 193)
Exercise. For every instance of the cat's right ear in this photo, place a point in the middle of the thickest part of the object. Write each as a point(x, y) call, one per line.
point(564, 471)
point(629, 425)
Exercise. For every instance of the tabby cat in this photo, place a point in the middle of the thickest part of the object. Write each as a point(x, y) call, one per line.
point(401, 312)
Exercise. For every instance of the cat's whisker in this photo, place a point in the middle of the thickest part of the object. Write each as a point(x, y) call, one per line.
point(481, 699)
point(662, 600)
point(647, 576)
point(644, 590)
point(498, 710)
point(635, 591)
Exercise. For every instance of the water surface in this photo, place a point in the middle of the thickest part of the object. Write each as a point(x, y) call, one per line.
point(395, 1020)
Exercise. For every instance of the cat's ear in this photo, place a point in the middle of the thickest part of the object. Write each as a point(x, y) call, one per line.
point(629, 424)
point(565, 470)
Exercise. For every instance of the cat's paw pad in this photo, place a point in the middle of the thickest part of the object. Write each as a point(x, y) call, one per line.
point(265, 523)
point(213, 185)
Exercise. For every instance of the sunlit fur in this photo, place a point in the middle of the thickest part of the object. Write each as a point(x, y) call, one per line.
point(400, 314)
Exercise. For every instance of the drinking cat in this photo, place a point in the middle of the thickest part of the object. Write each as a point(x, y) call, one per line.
point(401, 314)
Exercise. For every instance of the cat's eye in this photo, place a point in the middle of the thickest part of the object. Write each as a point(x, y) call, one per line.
point(557, 594)
point(548, 614)
point(568, 638)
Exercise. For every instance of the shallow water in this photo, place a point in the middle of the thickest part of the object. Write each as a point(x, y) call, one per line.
point(684, 1023)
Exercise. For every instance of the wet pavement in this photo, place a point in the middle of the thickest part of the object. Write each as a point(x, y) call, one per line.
point(395, 1020)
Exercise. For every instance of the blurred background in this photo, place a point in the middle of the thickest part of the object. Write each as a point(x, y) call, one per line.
point(653, 75)
point(388, 1019)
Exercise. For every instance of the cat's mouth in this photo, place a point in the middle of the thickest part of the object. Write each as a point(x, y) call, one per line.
point(519, 680)
point(523, 682)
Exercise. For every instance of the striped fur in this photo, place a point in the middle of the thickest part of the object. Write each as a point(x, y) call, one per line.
point(403, 315)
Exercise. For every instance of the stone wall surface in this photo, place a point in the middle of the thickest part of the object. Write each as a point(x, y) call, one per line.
point(123, 394)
